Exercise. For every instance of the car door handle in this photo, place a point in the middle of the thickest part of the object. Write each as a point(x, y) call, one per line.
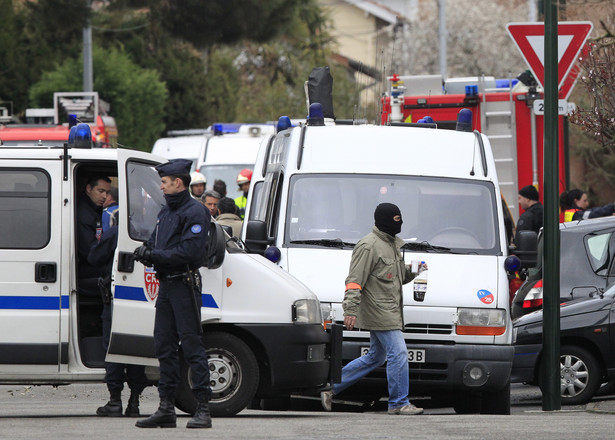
point(45, 272)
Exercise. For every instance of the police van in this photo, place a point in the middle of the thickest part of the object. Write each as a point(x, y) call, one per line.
point(263, 329)
point(313, 196)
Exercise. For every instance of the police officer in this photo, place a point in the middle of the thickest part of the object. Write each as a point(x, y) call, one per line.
point(177, 250)
point(101, 255)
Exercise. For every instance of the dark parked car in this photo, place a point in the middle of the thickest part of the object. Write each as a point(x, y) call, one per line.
point(587, 264)
point(587, 346)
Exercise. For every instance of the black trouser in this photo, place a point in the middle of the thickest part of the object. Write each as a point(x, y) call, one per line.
point(178, 312)
point(117, 374)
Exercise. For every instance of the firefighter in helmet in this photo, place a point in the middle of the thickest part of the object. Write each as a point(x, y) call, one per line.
point(197, 185)
point(243, 180)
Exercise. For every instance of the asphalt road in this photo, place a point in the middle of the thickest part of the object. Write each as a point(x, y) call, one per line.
point(68, 413)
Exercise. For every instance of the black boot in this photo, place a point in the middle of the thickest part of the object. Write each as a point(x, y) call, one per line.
point(163, 418)
point(132, 410)
point(113, 408)
point(202, 418)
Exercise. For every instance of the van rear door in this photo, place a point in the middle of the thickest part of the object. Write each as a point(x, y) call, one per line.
point(135, 287)
point(33, 298)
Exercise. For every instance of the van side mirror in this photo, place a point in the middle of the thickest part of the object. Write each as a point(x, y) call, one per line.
point(256, 237)
point(228, 230)
point(216, 246)
point(527, 246)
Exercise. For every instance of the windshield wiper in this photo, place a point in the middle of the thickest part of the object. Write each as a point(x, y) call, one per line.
point(425, 246)
point(327, 242)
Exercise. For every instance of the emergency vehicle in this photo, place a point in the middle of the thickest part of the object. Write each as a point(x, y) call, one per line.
point(218, 152)
point(313, 195)
point(264, 339)
point(503, 110)
point(52, 126)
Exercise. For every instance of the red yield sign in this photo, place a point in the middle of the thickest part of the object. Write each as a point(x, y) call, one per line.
point(530, 40)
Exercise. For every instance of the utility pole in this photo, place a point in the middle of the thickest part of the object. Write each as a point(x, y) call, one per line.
point(551, 397)
point(88, 70)
point(442, 35)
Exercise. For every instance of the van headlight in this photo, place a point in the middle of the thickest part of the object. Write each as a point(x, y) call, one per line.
point(306, 311)
point(483, 322)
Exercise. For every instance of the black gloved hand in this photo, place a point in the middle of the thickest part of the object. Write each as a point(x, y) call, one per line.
point(143, 254)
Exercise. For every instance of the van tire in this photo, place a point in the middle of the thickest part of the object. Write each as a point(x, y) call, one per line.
point(234, 376)
point(466, 402)
point(496, 402)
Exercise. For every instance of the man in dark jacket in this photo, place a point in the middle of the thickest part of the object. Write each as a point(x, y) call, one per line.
point(532, 217)
point(177, 250)
point(89, 231)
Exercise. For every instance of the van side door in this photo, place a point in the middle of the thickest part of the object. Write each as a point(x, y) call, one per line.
point(135, 287)
point(33, 287)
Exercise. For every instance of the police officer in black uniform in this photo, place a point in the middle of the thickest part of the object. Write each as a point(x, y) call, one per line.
point(177, 250)
point(101, 255)
point(532, 218)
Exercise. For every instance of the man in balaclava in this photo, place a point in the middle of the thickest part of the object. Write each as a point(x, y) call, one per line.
point(374, 302)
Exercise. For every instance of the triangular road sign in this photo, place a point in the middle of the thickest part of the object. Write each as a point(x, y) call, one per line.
point(530, 40)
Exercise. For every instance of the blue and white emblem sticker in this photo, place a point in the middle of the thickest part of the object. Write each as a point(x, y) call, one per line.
point(195, 229)
point(485, 296)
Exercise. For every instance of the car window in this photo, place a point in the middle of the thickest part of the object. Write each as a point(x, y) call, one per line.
point(597, 247)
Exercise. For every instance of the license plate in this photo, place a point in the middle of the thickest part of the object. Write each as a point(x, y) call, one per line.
point(416, 356)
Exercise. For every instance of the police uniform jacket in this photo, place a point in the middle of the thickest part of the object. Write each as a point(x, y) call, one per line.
point(180, 237)
point(89, 231)
point(374, 283)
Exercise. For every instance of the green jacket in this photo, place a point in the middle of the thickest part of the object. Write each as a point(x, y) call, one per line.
point(374, 284)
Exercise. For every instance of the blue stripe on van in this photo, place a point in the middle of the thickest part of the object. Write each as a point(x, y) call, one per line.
point(137, 294)
point(128, 292)
point(34, 302)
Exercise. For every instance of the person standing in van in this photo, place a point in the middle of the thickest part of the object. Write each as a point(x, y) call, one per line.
point(243, 180)
point(374, 301)
point(177, 249)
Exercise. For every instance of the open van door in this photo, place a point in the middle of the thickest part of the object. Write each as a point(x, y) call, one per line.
point(135, 287)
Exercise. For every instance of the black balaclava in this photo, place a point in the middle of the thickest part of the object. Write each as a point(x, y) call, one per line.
point(383, 215)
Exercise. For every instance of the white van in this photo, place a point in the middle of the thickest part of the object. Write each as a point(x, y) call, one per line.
point(313, 196)
point(225, 154)
point(185, 144)
point(264, 339)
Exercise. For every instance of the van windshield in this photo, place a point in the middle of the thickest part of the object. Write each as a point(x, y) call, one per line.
point(227, 173)
point(460, 215)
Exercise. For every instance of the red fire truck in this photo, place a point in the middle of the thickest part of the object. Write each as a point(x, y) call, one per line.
point(50, 127)
point(508, 112)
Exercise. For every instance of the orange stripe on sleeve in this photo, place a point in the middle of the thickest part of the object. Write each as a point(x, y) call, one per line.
point(350, 286)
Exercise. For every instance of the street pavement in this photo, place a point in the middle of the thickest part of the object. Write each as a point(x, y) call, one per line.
point(68, 413)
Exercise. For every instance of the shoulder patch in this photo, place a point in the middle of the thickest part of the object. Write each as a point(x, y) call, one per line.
point(196, 229)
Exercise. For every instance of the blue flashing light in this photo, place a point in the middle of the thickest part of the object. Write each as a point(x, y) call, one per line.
point(72, 120)
point(273, 254)
point(221, 128)
point(283, 124)
point(512, 263)
point(83, 136)
point(428, 119)
point(464, 120)
point(505, 83)
point(315, 115)
point(421, 121)
point(71, 136)
point(472, 90)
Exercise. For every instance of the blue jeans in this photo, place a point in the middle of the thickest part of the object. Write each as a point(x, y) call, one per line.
point(388, 346)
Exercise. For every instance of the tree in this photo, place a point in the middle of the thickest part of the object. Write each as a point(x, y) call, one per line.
point(477, 41)
point(137, 95)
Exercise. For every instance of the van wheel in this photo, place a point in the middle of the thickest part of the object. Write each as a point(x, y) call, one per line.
point(234, 375)
point(496, 402)
point(466, 402)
